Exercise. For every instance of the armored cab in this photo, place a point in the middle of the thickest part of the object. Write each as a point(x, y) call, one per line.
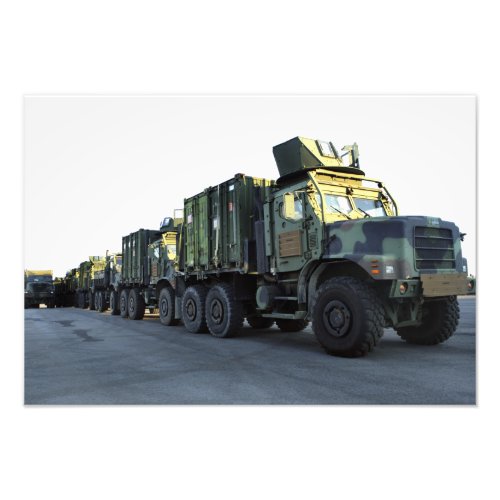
point(162, 255)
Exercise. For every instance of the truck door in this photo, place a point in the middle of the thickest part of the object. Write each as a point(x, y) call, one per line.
point(289, 235)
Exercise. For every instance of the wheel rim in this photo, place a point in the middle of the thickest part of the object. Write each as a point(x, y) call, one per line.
point(337, 318)
point(123, 303)
point(216, 311)
point(164, 307)
point(191, 309)
point(131, 305)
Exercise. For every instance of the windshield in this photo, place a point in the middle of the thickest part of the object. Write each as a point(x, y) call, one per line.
point(373, 208)
point(39, 279)
point(338, 204)
point(335, 203)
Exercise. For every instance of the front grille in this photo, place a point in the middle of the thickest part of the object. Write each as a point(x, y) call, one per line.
point(434, 248)
point(40, 287)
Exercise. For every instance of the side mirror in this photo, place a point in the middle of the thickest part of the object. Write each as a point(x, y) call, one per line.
point(289, 206)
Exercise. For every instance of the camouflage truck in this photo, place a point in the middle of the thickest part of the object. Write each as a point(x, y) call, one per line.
point(105, 282)
point(38, 289)
point(148, 271)
point(323, 243)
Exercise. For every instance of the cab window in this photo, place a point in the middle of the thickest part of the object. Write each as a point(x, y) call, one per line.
point(299, 209)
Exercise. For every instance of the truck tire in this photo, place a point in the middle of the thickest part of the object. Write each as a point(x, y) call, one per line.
point(114, 303)
point(439, 322)
point(124, 303)
point(51, 304)
point(102, 302)
point(92, 301)
point(193, 309)
point(166, 305)
point(259, 323)
point(292, 325)
point(224, 313)
point(348, 317)
point(136, 306)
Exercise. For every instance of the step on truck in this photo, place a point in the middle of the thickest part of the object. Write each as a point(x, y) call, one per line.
point(323, 244)
point(38, 288)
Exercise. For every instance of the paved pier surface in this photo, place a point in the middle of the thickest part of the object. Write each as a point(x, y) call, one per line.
point(75, 356)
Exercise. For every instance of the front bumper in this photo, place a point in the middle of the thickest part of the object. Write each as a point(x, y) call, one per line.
point(430, 285)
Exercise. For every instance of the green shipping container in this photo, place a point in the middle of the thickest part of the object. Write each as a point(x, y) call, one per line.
point(135, 256)
point(219, 226)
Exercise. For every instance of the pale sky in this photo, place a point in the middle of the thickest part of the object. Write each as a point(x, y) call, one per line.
point(100, 167)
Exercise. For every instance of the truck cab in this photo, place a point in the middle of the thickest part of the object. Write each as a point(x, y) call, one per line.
point(38, 289)
point(335, 235)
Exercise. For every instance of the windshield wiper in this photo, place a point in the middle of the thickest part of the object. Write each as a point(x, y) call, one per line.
point(339, 211)
point(366, 213)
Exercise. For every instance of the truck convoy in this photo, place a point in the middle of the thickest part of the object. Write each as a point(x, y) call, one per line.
point(38, 289)
point(323, 244)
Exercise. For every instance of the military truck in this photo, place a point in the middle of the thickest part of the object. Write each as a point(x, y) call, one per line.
point(322, 243)
point(65, 289)
point(84, 295)
point(105, 282)
point(148, 272)
point(38, 288)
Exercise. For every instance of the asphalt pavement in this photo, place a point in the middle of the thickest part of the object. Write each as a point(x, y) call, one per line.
point(82, 357)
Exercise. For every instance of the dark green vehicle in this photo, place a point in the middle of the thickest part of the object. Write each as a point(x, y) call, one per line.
point(148, 272)
point(323, 243)
point(65, 289)
point(38, 289)
point(105, 283)
point(85, 274)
